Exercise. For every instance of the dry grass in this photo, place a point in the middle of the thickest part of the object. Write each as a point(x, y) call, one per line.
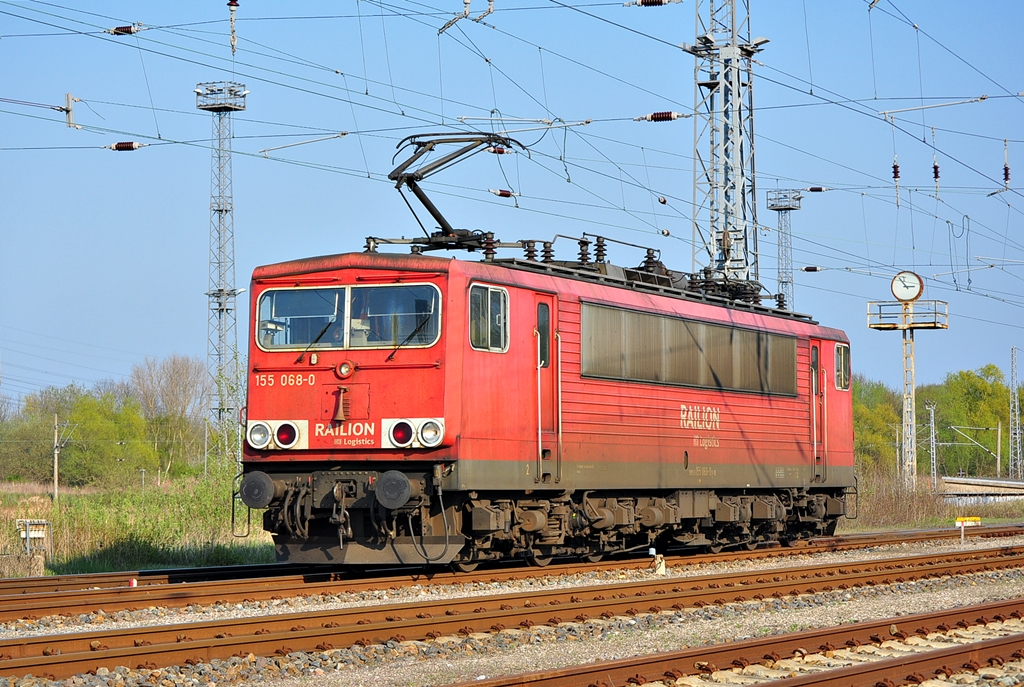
point(184, 523)
point(884, 505)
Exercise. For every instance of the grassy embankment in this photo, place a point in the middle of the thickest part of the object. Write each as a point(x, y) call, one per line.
point(185, 523)
point(884, 506)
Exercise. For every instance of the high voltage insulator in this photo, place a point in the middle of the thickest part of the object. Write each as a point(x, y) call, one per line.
point(661, 117)
point(123, 146)
point(125, 30)
point(499, 150)
point(895, 171)
point(935, 171)
point(502, 193)
point(649, 3)
point(663, 200)
point(232, 6)
point(1006, 163)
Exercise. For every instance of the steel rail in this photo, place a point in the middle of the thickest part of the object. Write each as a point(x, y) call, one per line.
point(33, 606)
point(145, 578)
point(673, 665)
point(66, 655)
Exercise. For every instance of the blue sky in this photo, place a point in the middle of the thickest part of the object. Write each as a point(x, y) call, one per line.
point(104, 255)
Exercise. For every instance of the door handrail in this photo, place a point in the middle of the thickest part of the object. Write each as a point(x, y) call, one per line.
point(540, 417)
point(558, 377)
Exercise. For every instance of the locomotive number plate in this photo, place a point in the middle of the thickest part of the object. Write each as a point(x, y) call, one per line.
point(286, 380)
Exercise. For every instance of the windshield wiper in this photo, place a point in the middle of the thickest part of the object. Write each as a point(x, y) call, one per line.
point(314, 341)
point(414, 332)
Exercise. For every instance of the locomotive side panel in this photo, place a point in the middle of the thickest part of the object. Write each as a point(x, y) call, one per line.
point(637, 434)
point(631, 434)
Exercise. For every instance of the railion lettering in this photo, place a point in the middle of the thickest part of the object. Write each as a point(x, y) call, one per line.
point(345, 429)
point(700, 417)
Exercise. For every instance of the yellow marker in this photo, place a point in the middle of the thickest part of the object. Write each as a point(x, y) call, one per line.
point(972, 521)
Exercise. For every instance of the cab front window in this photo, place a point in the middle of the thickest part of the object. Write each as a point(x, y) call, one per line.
point(407, 315)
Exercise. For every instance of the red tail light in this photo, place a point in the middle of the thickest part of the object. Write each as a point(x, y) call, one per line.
point(286, 435)
point(402, 433)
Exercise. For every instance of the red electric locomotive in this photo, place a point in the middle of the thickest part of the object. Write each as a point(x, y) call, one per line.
point(410, 409)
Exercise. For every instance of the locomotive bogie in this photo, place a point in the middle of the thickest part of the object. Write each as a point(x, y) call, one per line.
point(454, 412)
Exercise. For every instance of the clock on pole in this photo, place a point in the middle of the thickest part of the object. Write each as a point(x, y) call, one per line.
point(907, 287)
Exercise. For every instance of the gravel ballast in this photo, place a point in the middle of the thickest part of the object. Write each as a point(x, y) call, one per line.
point(463, 658)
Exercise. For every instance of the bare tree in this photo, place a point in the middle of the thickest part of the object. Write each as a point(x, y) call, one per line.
point(6, 409)
point(172, 394)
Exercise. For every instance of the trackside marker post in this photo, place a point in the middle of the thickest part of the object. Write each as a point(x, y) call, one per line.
point(972, 521)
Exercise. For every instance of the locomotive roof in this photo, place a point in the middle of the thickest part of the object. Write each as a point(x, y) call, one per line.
point(616, 277)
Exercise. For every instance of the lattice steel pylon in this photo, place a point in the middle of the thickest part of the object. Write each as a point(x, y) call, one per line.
point(221, 99)
point(725, 209)
point(782, 202)
point(1016, 457)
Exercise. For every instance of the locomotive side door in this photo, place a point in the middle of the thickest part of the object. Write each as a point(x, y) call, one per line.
point(819, 441)
point(547, 365)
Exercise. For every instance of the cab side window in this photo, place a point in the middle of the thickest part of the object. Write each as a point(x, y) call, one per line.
point(842, 367)
point(488, 318)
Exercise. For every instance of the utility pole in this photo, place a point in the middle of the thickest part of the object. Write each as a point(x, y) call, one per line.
point(931, 444)
point(60, 440)
point(56, 454)
point(725, 207)
point(221, 99)
point(1015, 469)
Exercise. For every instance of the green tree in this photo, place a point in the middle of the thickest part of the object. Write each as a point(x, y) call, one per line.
point(26, 435)
point(977, 401)
point(110, 444)
point(877, 417)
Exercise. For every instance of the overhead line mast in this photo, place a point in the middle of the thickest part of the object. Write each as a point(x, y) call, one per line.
point(221, 99)
point(725, 207)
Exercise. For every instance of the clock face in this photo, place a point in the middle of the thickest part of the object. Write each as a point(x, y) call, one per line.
point(907, 286)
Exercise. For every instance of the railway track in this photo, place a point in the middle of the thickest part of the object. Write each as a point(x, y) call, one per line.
point(62, 656)
point(906, 650)
point(145, 578)
point(37, 597)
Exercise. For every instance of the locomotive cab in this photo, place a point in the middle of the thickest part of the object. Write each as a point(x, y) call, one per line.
point(347, 437)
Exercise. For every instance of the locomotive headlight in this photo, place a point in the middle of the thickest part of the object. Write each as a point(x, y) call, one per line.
point(402, 433)
point(287, 434)
point(431, 433)
point(259, 435)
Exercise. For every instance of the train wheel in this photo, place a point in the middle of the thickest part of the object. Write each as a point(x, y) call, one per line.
point(593, 557)
point(715, 548)
point(750, 545)
point(539, 561)
point(464, 566)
